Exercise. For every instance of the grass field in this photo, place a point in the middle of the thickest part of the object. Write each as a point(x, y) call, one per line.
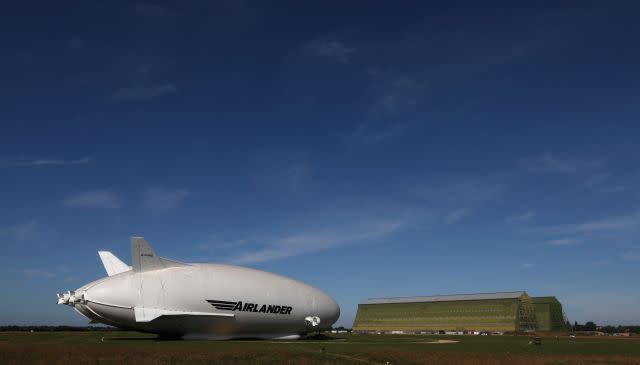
point(134, 348)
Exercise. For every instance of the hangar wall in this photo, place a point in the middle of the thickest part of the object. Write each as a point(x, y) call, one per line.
point(493, 312)
point(549, 314)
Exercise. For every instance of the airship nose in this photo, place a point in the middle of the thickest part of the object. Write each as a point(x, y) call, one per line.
point(111, 300)
point(329, 311)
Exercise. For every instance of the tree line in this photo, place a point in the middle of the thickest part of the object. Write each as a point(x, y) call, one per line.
point(591, 326)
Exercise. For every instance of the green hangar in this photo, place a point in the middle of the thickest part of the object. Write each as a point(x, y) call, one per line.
point(549, 314)
point(463, 313)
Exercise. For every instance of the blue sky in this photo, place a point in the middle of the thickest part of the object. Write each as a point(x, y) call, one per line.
point(367, 150)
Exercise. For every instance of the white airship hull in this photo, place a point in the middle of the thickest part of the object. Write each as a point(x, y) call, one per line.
point(204, 301)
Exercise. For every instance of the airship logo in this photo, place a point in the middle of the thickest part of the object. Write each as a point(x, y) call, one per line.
point(250, 307)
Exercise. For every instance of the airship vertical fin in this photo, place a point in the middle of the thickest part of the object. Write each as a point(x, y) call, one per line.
point(112, 264)
point(143, 258)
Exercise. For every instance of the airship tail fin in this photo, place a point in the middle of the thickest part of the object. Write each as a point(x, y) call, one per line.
point(143, 258)
point(112, 264)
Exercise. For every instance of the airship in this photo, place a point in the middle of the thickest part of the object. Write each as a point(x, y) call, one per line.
point(200, 301)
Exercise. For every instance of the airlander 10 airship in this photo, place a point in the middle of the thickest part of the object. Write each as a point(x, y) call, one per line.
point(200, 301)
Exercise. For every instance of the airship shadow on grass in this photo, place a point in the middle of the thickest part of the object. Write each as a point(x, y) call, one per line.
point(200, 301)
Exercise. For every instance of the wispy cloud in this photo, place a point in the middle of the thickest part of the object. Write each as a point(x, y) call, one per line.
point(457, 199)
point(307, 242)
point(616, 224)
point(528, 265)
point(563, 242)
point(81, 161)
point(162, 200)
point(46, 162)
point(395, 92)
point(23, 231)
point(296, 174)
point(606, 183)
point(34, 273)
point(456, 215)
point(368, 134)
point(331, 49)
point(465, 190)
point(632, 255)
point(292, 171)
point(144, 92)
point(617, 188)
point(597, 180)
point(93, 199)
point(524, 217)
point(550, 163)
point(215, 245)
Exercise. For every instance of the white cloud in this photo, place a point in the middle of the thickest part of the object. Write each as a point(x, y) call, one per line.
point(144, 92)
point(528, 265)
point(615, 223)
point(395, 92)
point(618, 223)
point(551, 163)
point(606, 183)
point(524, 217)
point(563, 242)
point(297, 173)
point(614, 188)
point(447, 201)
point(597, 179)
point(454, 200)
point(163, 200)
point(23, 231)
point(456, 215)
point(466, 191)
point(93, 199)
point(631, 255)
point(47, 162)
point(307, 242)
point(291, 171)
point(34, 273)
point(215, 245)
point(332, 49)
point(27, 230)
point(477, 190)
point(60, 162)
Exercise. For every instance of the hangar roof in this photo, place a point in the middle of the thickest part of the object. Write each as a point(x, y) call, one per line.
point(446, 298)
point(545, 300)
